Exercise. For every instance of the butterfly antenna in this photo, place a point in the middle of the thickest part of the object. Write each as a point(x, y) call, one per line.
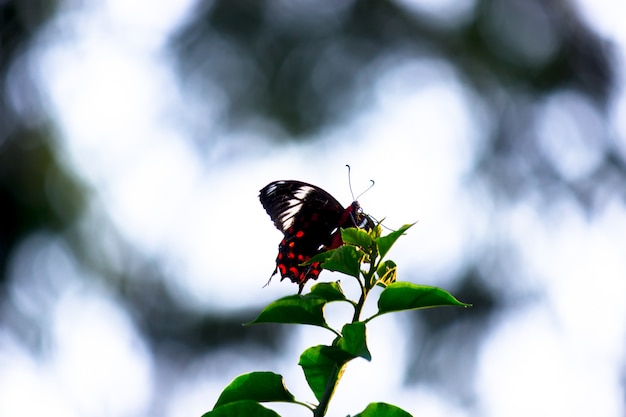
point(350, 183)
point(366, 190)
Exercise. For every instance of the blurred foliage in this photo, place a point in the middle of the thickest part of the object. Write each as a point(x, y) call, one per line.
point(26, 154)
point(36, 191)
point(303, 66)
point(39, 194)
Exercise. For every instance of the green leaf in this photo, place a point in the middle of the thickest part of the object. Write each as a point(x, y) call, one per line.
point(329, 291)
point(386, 272)
point(300, 309)
point(255, 386)
point(408, 296)
point(382, 410)
point(246, 408)
point(357, 237)
point(386, 242)
point(319, 364)
point(353, 340)
point(345, 259)
point(376, 231)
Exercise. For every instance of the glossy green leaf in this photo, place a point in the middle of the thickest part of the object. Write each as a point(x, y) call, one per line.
point(329, 291)
point(256, 386)
point(408, 296)
point(356, 237)
point(386, 242)
point(382, 410)
point(353, 340)
point(246, 408)
point(345, 259)
point(319, 364)
point(300, 309)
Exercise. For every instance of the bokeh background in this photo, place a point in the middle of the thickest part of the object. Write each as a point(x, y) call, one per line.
point(134, 137)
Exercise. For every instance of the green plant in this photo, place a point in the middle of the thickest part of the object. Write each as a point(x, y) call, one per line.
point(362, 257)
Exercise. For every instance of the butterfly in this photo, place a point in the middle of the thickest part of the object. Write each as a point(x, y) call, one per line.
point(310, 220)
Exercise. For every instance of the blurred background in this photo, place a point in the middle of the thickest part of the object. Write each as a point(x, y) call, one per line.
point(134, 137)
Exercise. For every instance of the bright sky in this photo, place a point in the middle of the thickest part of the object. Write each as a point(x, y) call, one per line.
point(560, 357)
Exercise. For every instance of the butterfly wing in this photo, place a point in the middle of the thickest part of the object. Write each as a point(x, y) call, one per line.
point(310, 219)
point(285, 201)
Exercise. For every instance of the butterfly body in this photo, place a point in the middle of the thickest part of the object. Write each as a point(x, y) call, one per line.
point(310, 220)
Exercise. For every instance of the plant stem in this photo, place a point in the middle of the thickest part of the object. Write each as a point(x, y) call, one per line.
point(359, 307)
point(366, 286)
point(369, 278)
point(320, 411)
point(368, 283)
